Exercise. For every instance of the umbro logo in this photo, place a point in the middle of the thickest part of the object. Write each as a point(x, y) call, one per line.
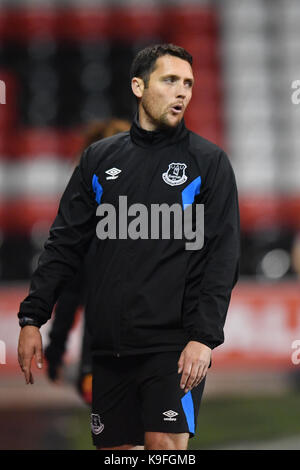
point(170, 415)
point(113, 173)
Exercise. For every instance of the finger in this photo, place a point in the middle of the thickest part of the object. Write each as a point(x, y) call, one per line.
point(192, 377)
point(26, 369)
point(20, 361)
point(39, 357)
point(180, 363)
point(197, 380)
point(201, 375)
point(31, 380)
point(26, 373)
point(185, 374)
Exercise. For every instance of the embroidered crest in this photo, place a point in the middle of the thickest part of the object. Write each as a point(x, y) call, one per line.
point(96, 424)
point(175, 174)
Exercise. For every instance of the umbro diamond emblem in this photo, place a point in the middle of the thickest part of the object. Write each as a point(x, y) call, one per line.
point(113, 173)
point(170, 415)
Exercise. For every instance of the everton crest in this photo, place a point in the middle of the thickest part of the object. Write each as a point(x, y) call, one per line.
point(175, 174)
point(96, 424)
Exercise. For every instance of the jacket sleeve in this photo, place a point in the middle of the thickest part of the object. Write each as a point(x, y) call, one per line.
point(68, 241)
point(66, 307)
point(212, 271)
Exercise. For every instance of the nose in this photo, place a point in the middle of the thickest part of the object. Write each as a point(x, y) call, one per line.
point(181, 91)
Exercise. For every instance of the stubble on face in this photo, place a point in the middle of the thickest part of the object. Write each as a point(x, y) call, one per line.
point(155, 118)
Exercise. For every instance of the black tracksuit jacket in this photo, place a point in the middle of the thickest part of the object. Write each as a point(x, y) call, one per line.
point(146, 295)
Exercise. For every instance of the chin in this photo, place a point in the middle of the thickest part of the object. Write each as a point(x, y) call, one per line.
point(169, 123)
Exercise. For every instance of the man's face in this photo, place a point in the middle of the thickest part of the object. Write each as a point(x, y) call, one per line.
point(168, 94)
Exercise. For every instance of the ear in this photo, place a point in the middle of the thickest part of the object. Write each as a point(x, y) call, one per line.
point(137, 86)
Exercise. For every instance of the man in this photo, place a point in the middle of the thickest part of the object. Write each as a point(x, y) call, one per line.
point(156, 309)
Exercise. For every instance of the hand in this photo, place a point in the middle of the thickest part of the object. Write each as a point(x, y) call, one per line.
point(54, 362)
point(55, 372)
point(30, 344)
point(85, 385)
point(193, 363)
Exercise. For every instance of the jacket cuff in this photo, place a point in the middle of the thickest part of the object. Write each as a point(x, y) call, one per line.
point(196, 335)
point(24, 321)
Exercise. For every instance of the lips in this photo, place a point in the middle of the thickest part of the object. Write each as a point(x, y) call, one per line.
point(177, 108)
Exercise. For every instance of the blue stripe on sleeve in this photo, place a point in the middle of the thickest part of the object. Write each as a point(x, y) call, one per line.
point(98, 190)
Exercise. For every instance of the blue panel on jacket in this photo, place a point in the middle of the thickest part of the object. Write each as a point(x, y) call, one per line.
point(190, 192)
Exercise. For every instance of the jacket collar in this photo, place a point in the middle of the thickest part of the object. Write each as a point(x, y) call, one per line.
point(158, 138)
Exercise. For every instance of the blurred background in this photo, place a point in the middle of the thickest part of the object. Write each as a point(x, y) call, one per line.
point(66, 63)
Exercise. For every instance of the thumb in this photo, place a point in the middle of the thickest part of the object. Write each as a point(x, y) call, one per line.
point(180, 363)
point(39, 357)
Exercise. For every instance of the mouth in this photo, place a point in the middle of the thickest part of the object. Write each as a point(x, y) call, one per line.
point(177, 108)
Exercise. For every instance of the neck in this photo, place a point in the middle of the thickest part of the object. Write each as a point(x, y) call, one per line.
point(158, 137)
point(145, 121)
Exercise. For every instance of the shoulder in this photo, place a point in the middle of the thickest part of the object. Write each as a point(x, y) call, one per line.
point(203, 147)
point(207, 151)
point(107, 142)
point(97, 152)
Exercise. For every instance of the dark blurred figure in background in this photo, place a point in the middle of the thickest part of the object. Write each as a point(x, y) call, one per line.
point(296, 254)
point(76, 292)
point(294, 373)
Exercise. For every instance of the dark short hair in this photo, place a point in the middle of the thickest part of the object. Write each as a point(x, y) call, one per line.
point(144, 62)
